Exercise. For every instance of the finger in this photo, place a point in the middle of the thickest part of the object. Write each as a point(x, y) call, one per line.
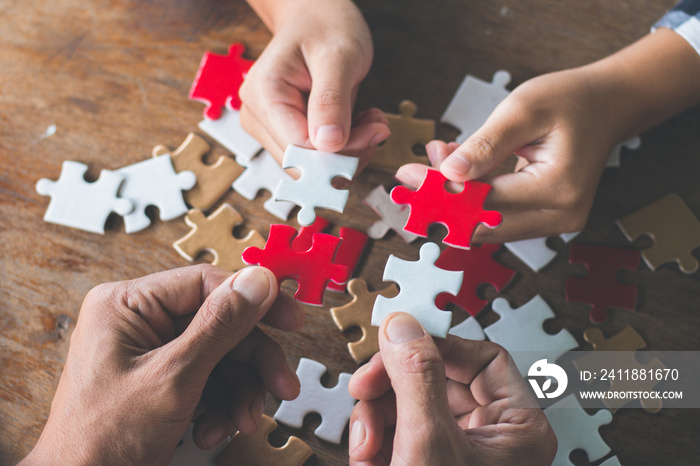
point(368, 424)
point(518, 225)
point(460, 398)
point(285, 314)
point(370, 381)
point(253, 126)
point(214, 424)
point(413, 175)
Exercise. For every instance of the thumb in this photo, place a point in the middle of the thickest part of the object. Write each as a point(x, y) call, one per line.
point(417, 373)
point(225, 318)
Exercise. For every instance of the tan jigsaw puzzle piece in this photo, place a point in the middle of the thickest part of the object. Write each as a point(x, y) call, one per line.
point(406, 132)
point(212, 180)
point(672, 226)
point(358, 313)
point(629, 341)
point(255, 450)
point(215, 234)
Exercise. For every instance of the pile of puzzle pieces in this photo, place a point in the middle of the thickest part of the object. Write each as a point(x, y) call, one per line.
point(441, 280)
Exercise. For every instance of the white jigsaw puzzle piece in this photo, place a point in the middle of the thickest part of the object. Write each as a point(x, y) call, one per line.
point(263, 172)
point(78, 204)
point(228, 132)
point(333, 404)
point(520, 332)
point(419, 284)
point(534, 252)
point(393, 216)
point(189, 454)
point(154, 182)
point(574, 429)
point(474, 101)
point(612, 461)
point(630, 144)
point(469, 329)
point(313, 188)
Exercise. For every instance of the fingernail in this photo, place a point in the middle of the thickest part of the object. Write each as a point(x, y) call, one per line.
point(379, 138)
point(213, 435)
point(406, 177)
point(256, 408)
point(253, 284)
point(403, 328)
point(457, 164)
point(329, 134)
point(357, 435)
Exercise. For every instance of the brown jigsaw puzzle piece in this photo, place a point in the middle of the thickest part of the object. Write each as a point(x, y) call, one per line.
point(255, 450)
point(628, 341)
point(406, 132)
point(358, 313)
point(672, 226)
point(215, 234)
point(212, 180)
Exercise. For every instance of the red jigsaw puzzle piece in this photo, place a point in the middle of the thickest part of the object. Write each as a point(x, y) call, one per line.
point(349, 252)
point(600, 287)
point(311, 269)
point(479, 267)
point(460, 212)
point(218, 80)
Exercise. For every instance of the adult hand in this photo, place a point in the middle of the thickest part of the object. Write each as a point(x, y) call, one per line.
point(454, 402)
point(302, 88)
point(146, 353)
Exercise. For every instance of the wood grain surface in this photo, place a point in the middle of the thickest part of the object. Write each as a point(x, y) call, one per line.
point(113, 76)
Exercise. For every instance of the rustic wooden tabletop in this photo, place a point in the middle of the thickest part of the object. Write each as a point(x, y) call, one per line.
point(113, 78)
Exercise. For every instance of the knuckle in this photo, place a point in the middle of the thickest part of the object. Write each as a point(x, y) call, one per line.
point(218, 312)
point(483, 147)
point(328, 98)
point(425, 362)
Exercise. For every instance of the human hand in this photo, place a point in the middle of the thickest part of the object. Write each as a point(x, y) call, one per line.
point(450, 401)
point(147, 353)
point(302, 88)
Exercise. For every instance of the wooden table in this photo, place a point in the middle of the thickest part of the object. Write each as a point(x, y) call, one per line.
point(114, 76)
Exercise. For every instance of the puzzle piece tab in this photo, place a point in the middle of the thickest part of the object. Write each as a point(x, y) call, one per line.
point(154, 182)
point(215, 234)
point(392, 216)
point(358, 313)
point(575, 428)
point(460, 212)
point(263, 172)
point(627, 341)
point(228, 132)
point(333, 404)
point(520, 332)
point(313, 189)
point(406, 132)
point(600, 288)
point(534, 252)
point(419, 283)
point(630, 144)
point(78, 204)
point(255, 450)
point(479, 267)
point(219, 79)
point(212, 180)
point(474, 102)
point(311, 269)
point(672, 226)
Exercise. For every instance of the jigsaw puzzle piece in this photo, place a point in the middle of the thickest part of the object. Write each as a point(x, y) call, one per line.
point(212, 180)
point(334, 405)
point(406, 132)
point(534, 252)
point(218, 80)
point(460, 212)
point(600, 288)
point(255, 450)
point(311, 269)
point(520, 332)
point(215, 234)
point(154, 182)
point(263, 172)
point(313, 188)
point(78, 204)
point(474, 102)
point(228, 132)
point(189, 454)
point(575, 428)
point(479, 267)
point(612, 461)
point(392, 216)
point(630, 144)
point(674, 229)
point(469, 329)
point(358, 313)
point(419, 284)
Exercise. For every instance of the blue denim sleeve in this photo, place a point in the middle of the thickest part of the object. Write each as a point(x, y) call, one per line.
point(684, 19)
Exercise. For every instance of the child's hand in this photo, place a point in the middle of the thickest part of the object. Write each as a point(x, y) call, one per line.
point(302, 88)
point(456, 402)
